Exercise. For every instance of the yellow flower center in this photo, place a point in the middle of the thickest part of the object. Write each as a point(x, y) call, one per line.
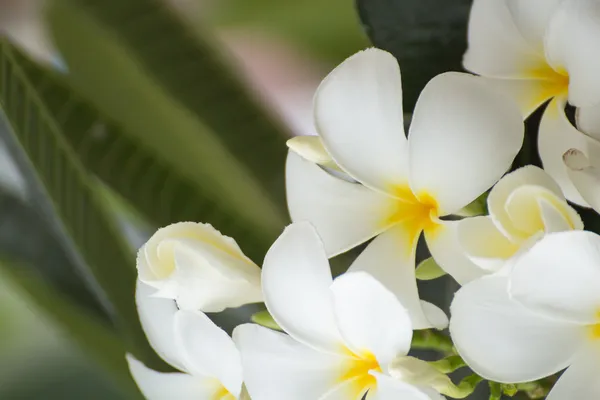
point(416, 213)
point(595, 332)
point(357, 371)
point(554, 83)
point(223, 394)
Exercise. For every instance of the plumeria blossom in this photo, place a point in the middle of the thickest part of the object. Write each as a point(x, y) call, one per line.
point(547, 320)
point(523, 206)
point(199, 267)
point(537, 50)
point(189, 341)
point(462, 139)
point(342, 334)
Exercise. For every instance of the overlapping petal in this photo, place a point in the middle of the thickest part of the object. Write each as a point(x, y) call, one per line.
point(503, 341)
point(559, 277)
point(358, 115)
point(166, 386)
point(531, 17)
point(571, 45)
point(391, 389)
point(375, 321)
point(390, 258)
point(463, 137)
point(296, 284)
point(496, 47)
point(557, 136)
point(344, 213)
point(157, 318)
point(207, 350)
point(584, 176)
point(444, 245)
point(278, 367)
point(580, 380)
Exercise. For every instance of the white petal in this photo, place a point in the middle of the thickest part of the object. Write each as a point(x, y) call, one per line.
point(389, 388)
point(390, 258)
point(560, 276)
point(463, 137)
point(166, 386)
point(496, 47)
point(296, 285)
point(585, 177)
point(345, 214)
point(588, 120)
point(499, 195)
point(503, 341)
point(580, 380)
point(484, 244)
point(444, 246)
point(529, 94)
point(375, 321)
point(358, 114)
point(557, 136)
point(571, 45)
point(532, 17)
point(558, 217)
point(211, 280)
point(277, 367)
point(157, 318)
point(208, 350)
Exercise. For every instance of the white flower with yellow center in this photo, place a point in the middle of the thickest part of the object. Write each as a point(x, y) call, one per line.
point(463, 137)
point(189, 341)
point(199, 267)
point(541, 318)
point(343, 334)
point(524, 206)
point(536, 50)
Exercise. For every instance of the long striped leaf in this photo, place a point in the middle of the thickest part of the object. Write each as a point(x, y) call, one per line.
point(110, 262)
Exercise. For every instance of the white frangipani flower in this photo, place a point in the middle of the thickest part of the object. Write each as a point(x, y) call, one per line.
point(542, 317)
point(199, 267)
point(343, 333)
point(463, 137)
point(189, 341)
point(536, 50)
point(524, 206)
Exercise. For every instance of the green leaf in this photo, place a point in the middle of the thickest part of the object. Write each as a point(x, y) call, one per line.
point(265, 319)
point(172, 96)
point(428, 270)
point(91, 335)
point(83, 216)
point(42, 252)
point(427, 37)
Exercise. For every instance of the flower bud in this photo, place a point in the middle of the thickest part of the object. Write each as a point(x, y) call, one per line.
point(198, 267)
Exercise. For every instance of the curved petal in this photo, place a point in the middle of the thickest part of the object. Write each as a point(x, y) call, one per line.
point(496, 47)
point(588, 120)
point(560, 276)
point(389, 388)
point(166, 386)
point(503, 341)
point(345, 214)
point(463, 137)
point(497, 200)
point(558, 217)
point(208, 350)
point(557, 136)
point(158, 318)
point(529, 93)
point(531, 17)
point(571, 45)
point(484, 244)
point(580, 380)
point(278, 367)
point(444, 246)
point(358, 114)
point(584, 176)
point(296, 284)
point(390, 258)
point(375, 321)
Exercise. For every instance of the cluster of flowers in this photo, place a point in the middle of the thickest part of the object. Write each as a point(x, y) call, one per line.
point(529, 305)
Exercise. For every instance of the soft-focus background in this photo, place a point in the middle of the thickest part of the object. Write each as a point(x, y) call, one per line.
point(282, 49)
